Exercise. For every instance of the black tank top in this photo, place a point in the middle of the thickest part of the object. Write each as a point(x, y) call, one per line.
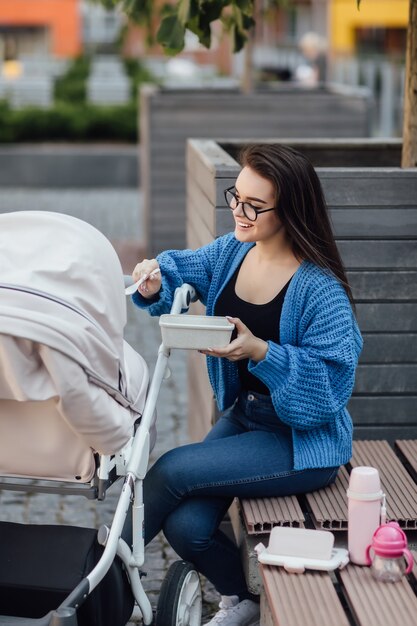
point(261, 319)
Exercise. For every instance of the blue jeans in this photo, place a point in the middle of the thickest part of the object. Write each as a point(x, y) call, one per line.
point(247, 454)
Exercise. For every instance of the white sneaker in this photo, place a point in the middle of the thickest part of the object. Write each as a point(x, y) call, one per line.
point(235, 613)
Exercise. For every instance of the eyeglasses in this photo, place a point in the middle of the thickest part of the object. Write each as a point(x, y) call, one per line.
point(249, 211)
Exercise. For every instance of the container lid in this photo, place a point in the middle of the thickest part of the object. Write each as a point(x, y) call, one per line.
point(195, 322)
point(389, 540)
point(365, 480)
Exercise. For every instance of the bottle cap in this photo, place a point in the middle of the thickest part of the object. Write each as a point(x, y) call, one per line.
point(364, 484)
point(389, 540)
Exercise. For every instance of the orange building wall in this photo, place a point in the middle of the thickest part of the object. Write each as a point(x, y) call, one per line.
point(62, 17)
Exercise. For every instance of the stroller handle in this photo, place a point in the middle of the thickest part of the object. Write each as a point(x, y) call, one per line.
point(183, 295)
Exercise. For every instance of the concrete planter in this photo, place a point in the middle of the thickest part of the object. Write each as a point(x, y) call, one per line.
point(68, 165)
point(169, 116)
point(373, 204)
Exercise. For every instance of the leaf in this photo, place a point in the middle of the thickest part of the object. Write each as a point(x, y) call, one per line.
point(247, 22)
point(201, 29)
point(139, 11)
point(211, 10)
point(171, 34)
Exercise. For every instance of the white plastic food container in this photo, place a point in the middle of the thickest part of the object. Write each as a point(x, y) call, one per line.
point(195, 332)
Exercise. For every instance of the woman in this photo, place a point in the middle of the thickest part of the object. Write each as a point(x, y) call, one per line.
point(283, 381)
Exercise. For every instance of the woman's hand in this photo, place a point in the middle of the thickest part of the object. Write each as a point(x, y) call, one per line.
point(245, 346)
point(152, 284)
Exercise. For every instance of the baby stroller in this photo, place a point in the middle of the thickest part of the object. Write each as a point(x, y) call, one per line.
point(76, 413)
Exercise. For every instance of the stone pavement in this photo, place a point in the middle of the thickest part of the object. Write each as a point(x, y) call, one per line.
point(117, 213)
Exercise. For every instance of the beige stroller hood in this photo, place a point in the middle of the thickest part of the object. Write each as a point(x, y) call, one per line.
point(62, 353)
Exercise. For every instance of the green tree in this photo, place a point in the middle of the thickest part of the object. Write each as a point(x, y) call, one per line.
point(237, 18)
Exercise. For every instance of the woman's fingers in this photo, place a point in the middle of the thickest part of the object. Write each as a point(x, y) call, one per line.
point(144, 268)
point(148, 274)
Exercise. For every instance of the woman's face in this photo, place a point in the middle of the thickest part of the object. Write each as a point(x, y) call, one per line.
point(260, 193)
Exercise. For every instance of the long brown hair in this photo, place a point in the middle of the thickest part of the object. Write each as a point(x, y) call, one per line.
point(301, 205)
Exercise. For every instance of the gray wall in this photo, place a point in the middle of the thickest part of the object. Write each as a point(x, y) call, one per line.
point(168, 117)
point(374, 212)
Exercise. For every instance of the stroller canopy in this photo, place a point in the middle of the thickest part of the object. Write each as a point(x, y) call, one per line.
point(62, 315)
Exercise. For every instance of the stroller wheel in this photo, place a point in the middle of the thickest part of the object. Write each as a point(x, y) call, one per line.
point(179, 602)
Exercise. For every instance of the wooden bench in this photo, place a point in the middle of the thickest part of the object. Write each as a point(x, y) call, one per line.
point(341, 597)
point(351, 596)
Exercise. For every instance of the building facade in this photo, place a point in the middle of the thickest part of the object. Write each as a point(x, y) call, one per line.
point(40, 28)
point(378, 27)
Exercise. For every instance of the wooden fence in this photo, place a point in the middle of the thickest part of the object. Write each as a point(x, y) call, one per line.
point(169, 116)
point(374, 212)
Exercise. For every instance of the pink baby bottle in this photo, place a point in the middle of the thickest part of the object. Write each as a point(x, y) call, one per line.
point(391, 557)
point(366, 511)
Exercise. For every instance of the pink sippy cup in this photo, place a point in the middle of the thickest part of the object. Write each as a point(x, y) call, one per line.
point(391, 558)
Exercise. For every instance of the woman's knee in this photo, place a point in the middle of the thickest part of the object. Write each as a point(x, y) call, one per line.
point(170, 470)
point(189, 529)
point(178, 530)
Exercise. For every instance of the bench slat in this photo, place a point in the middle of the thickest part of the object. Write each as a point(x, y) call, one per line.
point(408, 447)
point(328, 506)
point(400, 489)
point(297, 600)
point(378, 604)
point(262, 514)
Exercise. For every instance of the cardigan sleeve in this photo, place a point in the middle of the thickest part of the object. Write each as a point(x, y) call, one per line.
point(183, 266)
point(312, 382)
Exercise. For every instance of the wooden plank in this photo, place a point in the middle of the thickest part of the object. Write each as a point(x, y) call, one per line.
point(408, 451)
point(348, 152)
point(370, 223)
point(200, 397)
point(199, 208)
point(200, 169)
point(329, 506)
point(262, 514)
point(334, 152)
point(230, 125)
point(233, 101)
point(379, 254)
point(200, 227)
point(221, 185)
point(298, 600)
point(383, 409)
point(196, 238)
point(380, 188)
point(377, 604)
point(389, 433)
point(400, 489)
point(368, 286)
point(389, 348)
point(209, 153)
point(392, 378)
point(224, 222)
point(358, 223)
point(387, 317)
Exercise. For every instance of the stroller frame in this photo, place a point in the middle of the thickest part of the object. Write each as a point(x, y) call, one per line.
point(131, 462)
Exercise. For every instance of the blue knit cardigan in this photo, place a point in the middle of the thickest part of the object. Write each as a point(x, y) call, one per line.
point(311, 372)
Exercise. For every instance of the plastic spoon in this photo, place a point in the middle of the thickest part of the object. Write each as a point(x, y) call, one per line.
point(132, 288)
